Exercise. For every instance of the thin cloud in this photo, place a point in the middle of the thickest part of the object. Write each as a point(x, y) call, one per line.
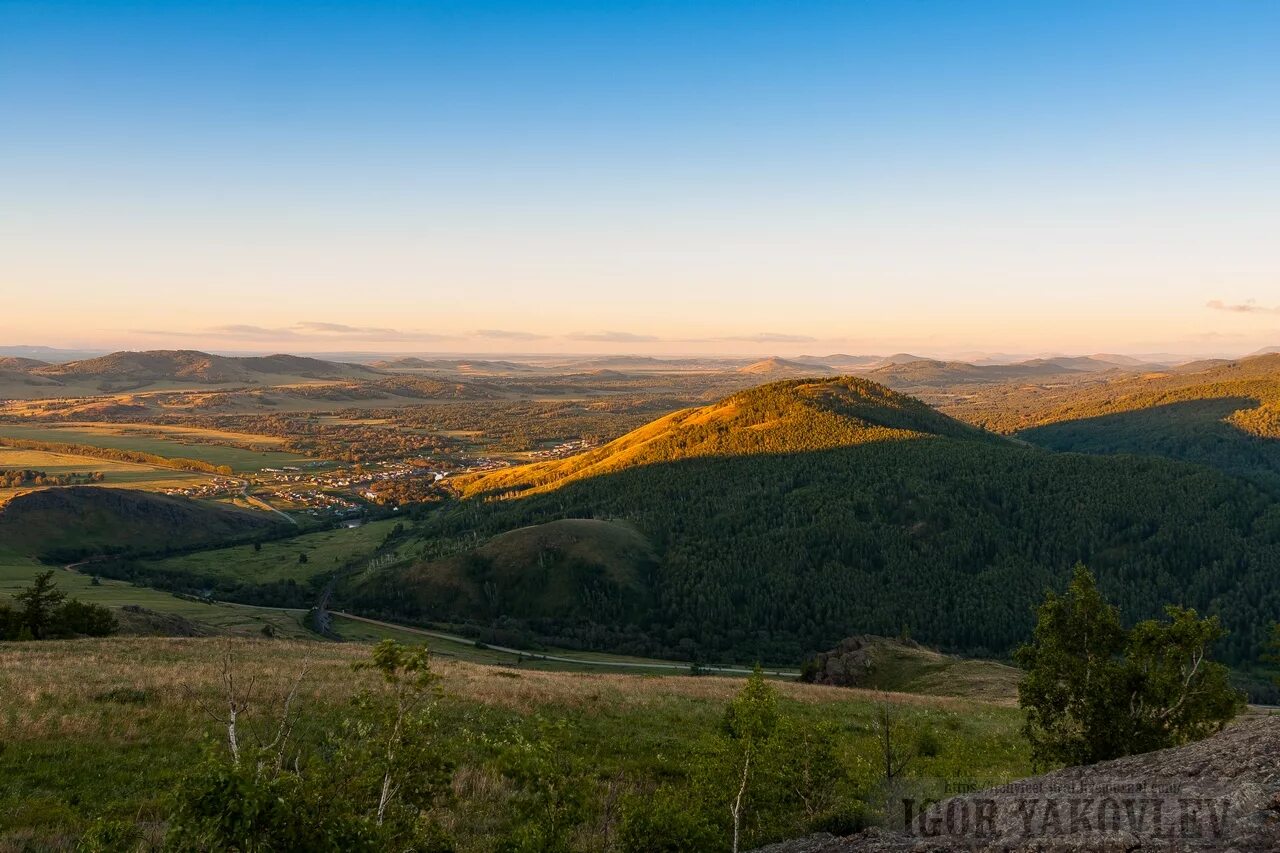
point(343, 329)
point(241, 330)
point(302, 332)
point(772, 338)
point(1249, 306)
point(508, 335)
point(615, 337)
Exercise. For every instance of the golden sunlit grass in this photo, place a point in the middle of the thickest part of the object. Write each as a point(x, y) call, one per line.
point(54, 689)
point(117, 474)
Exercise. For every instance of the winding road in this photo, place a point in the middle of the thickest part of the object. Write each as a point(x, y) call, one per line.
point(528, 655)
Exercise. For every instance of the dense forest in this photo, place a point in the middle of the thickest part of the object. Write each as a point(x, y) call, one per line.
point(889, 518)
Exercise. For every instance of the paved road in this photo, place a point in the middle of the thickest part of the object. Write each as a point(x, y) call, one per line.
point(679, 667)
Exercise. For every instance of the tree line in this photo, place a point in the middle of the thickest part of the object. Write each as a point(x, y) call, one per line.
point(16, 477)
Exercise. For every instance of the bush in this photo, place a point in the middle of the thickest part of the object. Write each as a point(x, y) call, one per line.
point(1094, 691)
point(668, 821)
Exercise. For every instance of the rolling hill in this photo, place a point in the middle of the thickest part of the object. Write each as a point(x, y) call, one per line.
point(777, 368)
point(17, 363)
point(1222, 414)
point(75, 522)
point(572, 568)
point(926, 373)
point(782, 417)
point(787, 517)
point(195, 366)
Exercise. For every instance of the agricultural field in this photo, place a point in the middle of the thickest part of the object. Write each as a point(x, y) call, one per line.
point(118, 474)
point(185, 443)
point(108, 729)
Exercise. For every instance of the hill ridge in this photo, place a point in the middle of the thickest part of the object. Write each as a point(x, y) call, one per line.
point(787, 416)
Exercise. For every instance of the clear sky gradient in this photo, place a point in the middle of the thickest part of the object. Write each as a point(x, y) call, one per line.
point(681, 176)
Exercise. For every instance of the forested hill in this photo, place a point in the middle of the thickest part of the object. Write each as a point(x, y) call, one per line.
point(789, 517)
point(793, 416)
point(1224, 415)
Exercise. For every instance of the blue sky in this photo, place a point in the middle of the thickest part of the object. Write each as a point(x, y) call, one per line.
point(785, 176)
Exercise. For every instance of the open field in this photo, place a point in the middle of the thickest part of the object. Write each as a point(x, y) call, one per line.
point(74, 752)
point(17, 572)
point(130, 475)
point(185, 444)
point(326, 551)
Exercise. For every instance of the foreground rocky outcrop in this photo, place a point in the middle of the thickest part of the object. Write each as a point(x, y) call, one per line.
point(1222, 793)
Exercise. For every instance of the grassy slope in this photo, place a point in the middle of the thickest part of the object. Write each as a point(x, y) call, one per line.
point(801, 415)
point(541, 570)
point(84, 520)
point(326, 551)
point(17, 571)
point(908, 668)
point(73, 754)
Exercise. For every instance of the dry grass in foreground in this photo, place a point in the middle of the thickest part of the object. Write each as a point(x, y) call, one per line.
point(44, 685)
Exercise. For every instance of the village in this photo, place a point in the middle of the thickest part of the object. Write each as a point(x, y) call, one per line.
point(339, 492)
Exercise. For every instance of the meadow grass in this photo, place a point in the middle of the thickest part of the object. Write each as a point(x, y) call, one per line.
point(17, 572)
point(326, 550)
point(108, 727)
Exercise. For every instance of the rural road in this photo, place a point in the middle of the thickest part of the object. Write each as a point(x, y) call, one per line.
point(244, 493)
point(679, 667)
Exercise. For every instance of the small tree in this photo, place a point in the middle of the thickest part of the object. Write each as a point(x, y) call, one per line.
point(897, 748)
point(1094, 691)
point(749, 723)
point(363, 787)
point(1176, 694)
point(399, 721)
point(1072, 673)
point(40, 603)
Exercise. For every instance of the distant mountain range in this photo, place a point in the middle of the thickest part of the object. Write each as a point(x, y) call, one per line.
point(127, 370)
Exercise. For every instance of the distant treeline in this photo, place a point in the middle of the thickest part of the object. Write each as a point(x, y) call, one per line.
point(11, 478)
point(117, 455)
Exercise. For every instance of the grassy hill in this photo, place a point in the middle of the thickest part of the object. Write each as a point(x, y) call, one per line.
point(156, 365)
point(572, 568)
point(783, 417)
point(787, 517)
point(927, 373)
point(168, 370)
point(12, 362)
point(80, 521)
point(777, 368)
point(903, 666)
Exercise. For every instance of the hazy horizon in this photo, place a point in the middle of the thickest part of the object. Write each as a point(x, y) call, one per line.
point(606, 178)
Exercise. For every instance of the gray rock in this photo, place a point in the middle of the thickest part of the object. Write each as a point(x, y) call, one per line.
point(1222, 793)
